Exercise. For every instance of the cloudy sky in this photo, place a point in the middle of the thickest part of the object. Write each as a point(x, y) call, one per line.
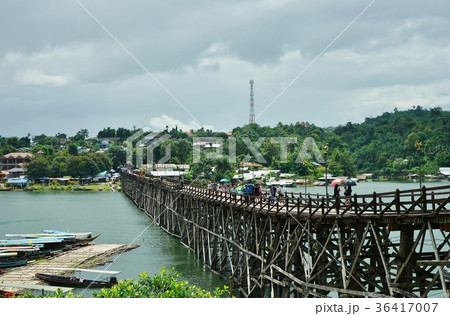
point(72, 64)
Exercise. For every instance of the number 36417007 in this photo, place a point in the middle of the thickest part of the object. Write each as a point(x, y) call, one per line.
point(406, 307)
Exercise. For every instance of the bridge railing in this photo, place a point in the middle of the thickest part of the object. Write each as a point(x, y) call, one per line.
point(418, 202)
point(409, 202)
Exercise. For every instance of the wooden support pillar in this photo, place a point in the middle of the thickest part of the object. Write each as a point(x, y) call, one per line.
point(268, 251)
point(405, 248)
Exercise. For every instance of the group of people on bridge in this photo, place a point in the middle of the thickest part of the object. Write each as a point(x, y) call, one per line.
point(347, 193)
point(251, 192)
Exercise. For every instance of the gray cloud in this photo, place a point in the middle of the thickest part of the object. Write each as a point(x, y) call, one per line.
point(64, 72)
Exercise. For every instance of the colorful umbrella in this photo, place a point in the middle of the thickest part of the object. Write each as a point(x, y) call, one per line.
point(224, 180)
point(336, 182)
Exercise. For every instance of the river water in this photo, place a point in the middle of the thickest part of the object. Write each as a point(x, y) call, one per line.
point(368, 187)
point(119, 221)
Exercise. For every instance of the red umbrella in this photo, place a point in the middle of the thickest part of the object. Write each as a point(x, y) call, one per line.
point(336, 182)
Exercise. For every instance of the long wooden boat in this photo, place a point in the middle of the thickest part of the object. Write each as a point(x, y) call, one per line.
point(59, 232)
point(19, 248)
point(48, 242)
point(63, 235)
point(76, 282)
point(9, 262)
point(25, 242)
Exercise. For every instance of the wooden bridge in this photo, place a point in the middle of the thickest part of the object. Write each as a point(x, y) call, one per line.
point(394, 244)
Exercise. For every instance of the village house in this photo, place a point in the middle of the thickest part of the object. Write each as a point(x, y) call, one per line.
point(14, 160)
point(206, 143)
point(148, 139)
point(444, 172)
point(107, 141)
point(254, 166)
point(169, 170)
point(3, 174)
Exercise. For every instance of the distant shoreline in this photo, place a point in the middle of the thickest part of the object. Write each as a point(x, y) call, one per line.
point(103, 187)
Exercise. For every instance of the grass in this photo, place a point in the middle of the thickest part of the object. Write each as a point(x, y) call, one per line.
point(93, 187)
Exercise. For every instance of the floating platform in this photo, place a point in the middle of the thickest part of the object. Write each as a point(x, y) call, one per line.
point(83, 257)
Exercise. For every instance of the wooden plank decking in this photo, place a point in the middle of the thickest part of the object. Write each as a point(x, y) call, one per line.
point(86, 256)
point(391, 244)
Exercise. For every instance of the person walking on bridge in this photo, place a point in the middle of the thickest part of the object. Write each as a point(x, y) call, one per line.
point(337, 191)
point(348, 194)
point(282, 193)
point(273, 193)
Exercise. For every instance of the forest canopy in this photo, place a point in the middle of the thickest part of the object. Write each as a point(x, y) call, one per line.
point(392, 145)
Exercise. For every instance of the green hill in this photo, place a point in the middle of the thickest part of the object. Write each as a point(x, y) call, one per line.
point(386, 145)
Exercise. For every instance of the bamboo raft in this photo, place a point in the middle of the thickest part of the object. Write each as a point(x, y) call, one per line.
point(393, 244)
point(86, 256)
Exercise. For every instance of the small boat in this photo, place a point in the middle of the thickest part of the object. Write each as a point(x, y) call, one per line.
point(78, 281)
point(7, 254)
point(6, 294)
point(77, 236)
point(59, 232)
point(54, 242)
point(19, 248)
point(9, 262)
point(25, 241)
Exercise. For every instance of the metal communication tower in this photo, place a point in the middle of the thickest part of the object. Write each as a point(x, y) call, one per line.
point(252, 105)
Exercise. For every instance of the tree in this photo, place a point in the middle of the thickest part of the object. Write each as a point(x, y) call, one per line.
point(102, 162)
point(203, 168)
point(58, 166)
point(223, 169)
point(38, 167)
point(13, 141)
point(81, 135)
point(162, 285)
point(106, 132)
point(123, 133)
point(270, 151)
point(46, 140)
point(79, 166)
point(46, 149)
point(341, 163)
point(184, 150)
point(73, 149)
point(6, 149)
point(410, 142)
point(91, 166)
point(442, 159)
point(117, 155)
point(75, 166)
point(24, 141)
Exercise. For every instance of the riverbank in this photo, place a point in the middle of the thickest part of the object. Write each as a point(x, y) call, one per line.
point(118, 220)
point(92, 187)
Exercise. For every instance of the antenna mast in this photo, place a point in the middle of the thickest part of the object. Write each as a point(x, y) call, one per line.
point(252, 104)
